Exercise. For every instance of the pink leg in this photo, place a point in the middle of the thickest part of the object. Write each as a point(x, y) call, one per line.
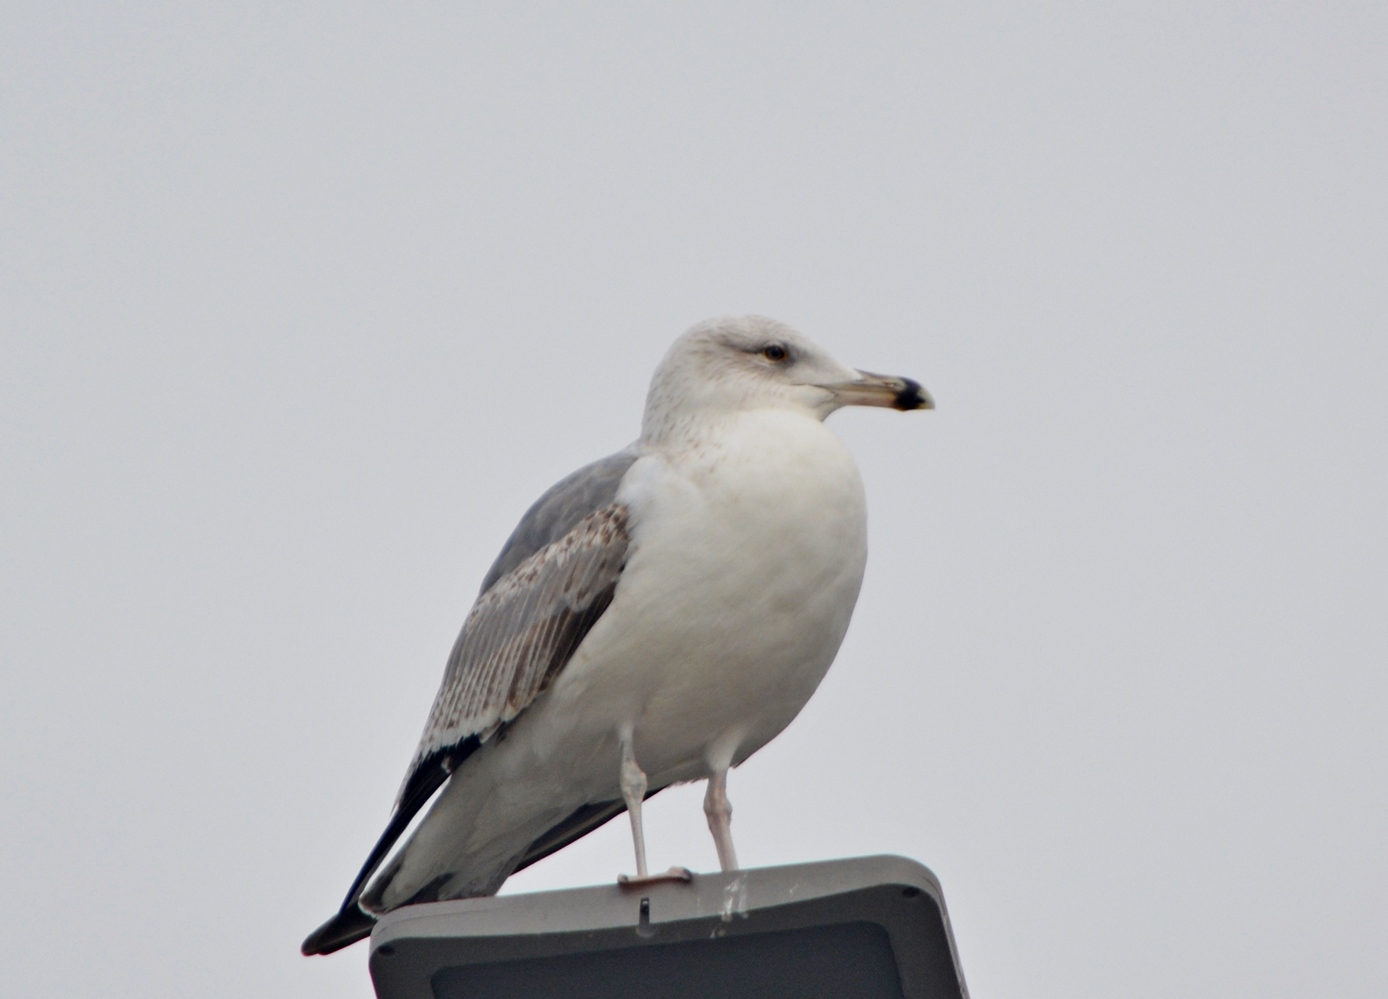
point(720, 819)
point(634, 791)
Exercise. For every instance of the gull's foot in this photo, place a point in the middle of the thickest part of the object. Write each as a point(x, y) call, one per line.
point(681, 874)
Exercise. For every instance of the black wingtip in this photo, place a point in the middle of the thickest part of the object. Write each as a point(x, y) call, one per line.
point(343, 930)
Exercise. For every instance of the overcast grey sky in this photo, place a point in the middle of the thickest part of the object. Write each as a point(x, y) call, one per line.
point(302, 305)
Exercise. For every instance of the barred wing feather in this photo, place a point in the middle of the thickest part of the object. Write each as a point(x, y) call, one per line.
point(523, 630)
point(520, 634)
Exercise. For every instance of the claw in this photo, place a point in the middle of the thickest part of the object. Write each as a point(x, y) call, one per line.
point(682, 875)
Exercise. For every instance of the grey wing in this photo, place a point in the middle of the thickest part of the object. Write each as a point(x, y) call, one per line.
point(522, 631)
point(559, 510)
point(554, 578)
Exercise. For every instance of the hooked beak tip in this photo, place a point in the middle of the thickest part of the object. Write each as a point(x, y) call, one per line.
point(912, 396)
point(887, 391)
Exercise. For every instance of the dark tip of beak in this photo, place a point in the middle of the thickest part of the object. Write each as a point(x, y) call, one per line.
point(912, 396)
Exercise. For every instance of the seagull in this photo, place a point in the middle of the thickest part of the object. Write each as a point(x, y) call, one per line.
point(656, 618)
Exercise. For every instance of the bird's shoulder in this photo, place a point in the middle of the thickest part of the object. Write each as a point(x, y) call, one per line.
point(562, 508)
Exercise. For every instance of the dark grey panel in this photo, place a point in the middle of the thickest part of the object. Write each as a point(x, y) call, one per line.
point(844, 961)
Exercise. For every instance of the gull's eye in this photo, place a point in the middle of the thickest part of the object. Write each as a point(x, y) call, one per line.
point(775, 352)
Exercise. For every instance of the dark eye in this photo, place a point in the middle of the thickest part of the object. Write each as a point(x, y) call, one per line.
point(775, 352)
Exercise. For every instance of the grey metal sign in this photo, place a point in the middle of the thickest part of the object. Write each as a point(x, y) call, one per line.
point(866, 928)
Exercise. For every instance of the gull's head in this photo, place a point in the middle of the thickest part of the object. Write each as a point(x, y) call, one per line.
point(750, 362)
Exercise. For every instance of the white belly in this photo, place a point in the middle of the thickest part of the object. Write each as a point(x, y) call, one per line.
point(745, 564)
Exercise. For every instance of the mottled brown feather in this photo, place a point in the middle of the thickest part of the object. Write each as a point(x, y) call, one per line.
point(524, 629)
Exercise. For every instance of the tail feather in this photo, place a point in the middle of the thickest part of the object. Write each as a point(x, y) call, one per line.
point(344, 929)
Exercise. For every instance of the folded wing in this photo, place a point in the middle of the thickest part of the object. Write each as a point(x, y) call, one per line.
point(553, 580)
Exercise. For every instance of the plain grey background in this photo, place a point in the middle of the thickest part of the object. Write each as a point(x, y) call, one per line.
point(303, 304)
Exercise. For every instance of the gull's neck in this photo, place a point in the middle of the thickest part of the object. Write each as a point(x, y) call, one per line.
point(695, 426)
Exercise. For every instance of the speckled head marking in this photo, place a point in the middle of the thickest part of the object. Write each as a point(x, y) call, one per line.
point(752, 362)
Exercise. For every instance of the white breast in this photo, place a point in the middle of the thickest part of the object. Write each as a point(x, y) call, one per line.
point(746, 559)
